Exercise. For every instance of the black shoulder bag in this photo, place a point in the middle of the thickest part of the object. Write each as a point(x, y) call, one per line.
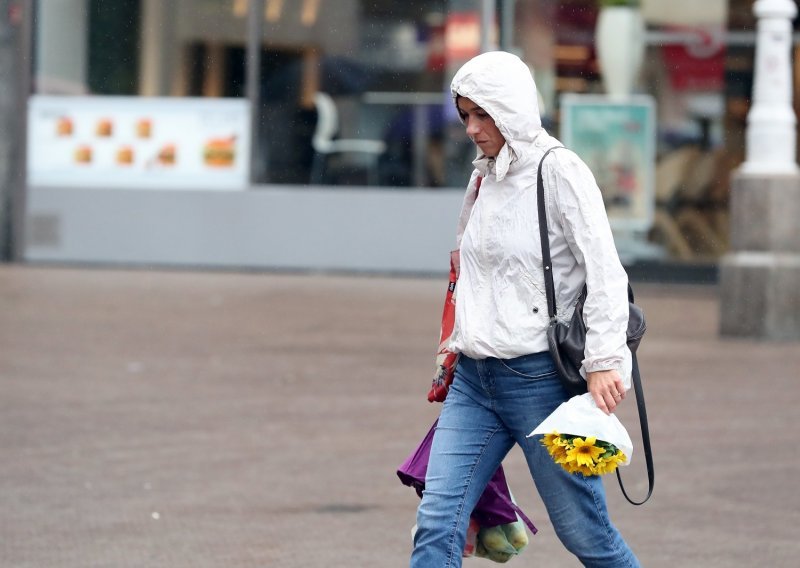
point(567, 340)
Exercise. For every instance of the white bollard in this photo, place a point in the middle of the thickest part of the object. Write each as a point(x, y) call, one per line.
point(771, 122)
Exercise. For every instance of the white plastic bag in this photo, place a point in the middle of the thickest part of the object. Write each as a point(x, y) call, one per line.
point(580, 416)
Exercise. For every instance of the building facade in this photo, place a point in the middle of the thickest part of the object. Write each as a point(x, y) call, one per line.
point(319, 134)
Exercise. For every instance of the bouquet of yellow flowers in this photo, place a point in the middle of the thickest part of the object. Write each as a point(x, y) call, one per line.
point(584, 439)
point(588, 455)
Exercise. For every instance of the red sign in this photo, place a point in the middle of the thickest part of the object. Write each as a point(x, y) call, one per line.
point(462, 35)
point(699, 65)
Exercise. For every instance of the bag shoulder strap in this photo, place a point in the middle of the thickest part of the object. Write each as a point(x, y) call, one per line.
point(648, 451)
point(547, 266)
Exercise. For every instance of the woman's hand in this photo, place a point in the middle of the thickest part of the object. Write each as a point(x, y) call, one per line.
point(606, 388)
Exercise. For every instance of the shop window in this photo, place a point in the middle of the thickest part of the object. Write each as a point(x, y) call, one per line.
point(701, 86)
point(378, 69)
point(113, 47)
point(381, 63)
point(139, 47)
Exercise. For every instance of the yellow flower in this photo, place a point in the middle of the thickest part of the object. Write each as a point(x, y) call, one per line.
point(559, 453)
point(609, 464)
point(550, 439)
point(605, 465)
point(619, 458)
point(584, 452)
point(574, 467)
point(552, 442)
point(582, 455)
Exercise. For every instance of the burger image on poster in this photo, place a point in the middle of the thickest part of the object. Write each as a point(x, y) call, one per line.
point(83, 154)
point(125, 155)
point(105, 128)
point(64, 126)
point(167, 155)
point(144, 128)
point(220, 152)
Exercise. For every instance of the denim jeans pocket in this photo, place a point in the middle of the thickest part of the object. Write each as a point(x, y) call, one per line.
point(536, 366)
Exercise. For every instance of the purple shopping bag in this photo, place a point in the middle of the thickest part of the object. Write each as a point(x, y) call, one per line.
point(495, 506)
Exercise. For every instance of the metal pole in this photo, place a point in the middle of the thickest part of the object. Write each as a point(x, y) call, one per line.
point(255, 33)
point(19, 188)
point(507, 24)
point(488, 10)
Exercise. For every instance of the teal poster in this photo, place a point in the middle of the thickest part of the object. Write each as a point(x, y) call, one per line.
point(616, 139)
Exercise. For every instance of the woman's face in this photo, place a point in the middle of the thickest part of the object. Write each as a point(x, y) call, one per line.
point(481, 128)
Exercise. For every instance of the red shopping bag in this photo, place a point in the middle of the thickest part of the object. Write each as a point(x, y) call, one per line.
point(446, 360)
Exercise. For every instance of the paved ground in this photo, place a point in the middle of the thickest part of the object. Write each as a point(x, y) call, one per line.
point(184, 419)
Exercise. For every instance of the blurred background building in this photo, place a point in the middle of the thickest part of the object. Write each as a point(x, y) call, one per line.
point(319, 134)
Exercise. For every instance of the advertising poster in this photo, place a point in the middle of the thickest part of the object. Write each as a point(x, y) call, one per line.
point(138, 142)
point(616, 139)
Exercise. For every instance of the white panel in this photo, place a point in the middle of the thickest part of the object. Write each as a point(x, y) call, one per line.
point(292, 227)
point(138, 142)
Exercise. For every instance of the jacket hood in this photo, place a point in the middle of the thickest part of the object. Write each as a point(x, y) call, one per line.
point(503, 86)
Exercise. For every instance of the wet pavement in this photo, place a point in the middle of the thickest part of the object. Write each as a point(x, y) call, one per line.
point(220, 419)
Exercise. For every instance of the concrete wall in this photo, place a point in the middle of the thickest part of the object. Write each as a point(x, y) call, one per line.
point(276, 227)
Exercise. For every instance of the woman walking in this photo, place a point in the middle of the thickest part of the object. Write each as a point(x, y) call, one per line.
point(505, 382)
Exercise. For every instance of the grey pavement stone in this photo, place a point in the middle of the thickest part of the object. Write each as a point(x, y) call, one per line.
point(170, 419)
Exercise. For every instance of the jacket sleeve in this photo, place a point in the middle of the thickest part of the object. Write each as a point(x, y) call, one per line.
point(578, 202)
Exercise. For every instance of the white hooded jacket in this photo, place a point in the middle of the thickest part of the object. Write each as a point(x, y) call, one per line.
point(501, 309)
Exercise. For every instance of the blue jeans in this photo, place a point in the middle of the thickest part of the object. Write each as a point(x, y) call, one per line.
point(493, 404)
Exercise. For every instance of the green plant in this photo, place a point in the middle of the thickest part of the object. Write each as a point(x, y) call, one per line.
point(633, 3)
